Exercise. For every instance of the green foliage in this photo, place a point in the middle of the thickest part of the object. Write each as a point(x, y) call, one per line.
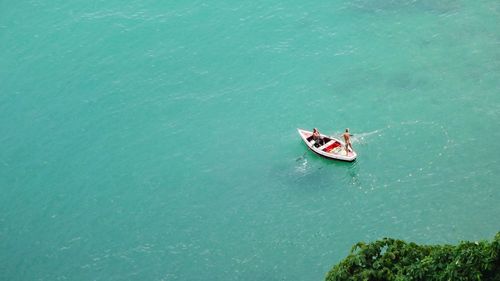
point(389, 259)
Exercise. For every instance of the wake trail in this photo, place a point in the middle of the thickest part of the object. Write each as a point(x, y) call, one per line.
point(362, 138)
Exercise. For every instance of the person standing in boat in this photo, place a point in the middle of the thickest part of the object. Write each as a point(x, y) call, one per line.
point(318, 140)
point(347, 139)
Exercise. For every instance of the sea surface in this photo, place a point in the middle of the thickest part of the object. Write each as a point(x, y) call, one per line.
point(156, 140)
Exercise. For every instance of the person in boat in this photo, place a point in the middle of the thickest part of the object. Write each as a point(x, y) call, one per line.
point(318, 140)
point(347, 139)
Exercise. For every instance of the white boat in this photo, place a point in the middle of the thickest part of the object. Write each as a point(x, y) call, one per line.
point(331, 147)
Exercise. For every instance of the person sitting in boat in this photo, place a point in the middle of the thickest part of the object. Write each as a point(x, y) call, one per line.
point(347, 139)
point(318, 140)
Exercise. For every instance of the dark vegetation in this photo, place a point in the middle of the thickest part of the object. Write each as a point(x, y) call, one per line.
point(390, 259)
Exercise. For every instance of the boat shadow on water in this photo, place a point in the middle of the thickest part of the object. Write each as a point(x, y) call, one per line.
point(310, 172)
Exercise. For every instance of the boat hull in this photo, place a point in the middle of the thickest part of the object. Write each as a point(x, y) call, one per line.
point(331, 148)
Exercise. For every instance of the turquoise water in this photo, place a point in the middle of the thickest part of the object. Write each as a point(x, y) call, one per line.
point(156, 140)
